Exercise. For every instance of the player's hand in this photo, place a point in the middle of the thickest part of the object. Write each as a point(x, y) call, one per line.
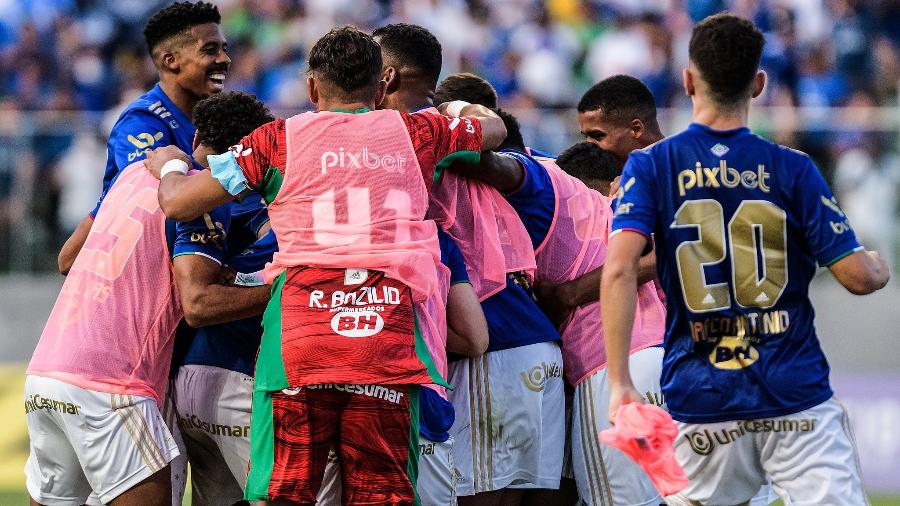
point(614, 186)
point(159, 156)
point(620, 395)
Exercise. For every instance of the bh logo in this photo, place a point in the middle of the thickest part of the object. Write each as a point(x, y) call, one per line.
point(733, 352)
point(357, 323)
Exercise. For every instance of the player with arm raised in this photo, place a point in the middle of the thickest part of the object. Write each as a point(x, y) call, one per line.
point(352, 329)
point(740, 225)
point(104, 356)
point(190, 53)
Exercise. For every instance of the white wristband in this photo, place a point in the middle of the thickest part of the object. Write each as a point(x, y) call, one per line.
point(456, 107)
point(249, 278)
point(175, 165)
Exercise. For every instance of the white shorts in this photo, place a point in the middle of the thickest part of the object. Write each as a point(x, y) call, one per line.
point(436, 483)
point(83, 441)
point(178, 466)
point(603, 474)
point(213, 407)
point(510, 419)
point(809, 456)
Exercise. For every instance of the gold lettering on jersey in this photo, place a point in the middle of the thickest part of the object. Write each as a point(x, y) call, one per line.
point(750, 325)
point(722, 176)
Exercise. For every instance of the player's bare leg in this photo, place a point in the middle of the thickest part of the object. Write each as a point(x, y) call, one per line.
point(155, 490)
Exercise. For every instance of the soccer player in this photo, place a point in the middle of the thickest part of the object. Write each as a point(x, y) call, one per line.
point(739, 224)
point(468, 87)
point(352, 328)
point(590, 164)
point(96, 382)
point(190, 54)
point(411, 67)
point(568, 223)
point(213, 388)
point(619, 115)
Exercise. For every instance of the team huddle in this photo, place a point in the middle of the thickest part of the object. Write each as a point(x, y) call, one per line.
point(395, 300)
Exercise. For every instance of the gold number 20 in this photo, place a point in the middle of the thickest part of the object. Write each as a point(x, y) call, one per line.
point(757, 243)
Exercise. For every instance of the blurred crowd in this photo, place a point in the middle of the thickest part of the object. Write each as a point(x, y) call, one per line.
point(89, 56)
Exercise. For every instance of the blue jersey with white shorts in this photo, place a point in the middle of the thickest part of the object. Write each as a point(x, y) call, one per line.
point(513, 317)
point(739, 225)
point(436, 414)
point(227, 235)
point(150, 122)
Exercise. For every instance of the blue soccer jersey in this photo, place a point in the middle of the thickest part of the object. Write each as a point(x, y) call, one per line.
point(151, 121)
point(227, 235)
point(535, 200)
point(739, 224)
point(436, 414)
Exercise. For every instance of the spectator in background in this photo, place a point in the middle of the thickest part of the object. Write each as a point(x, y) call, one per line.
point(79, 177)
point(866, 178)
point(89, 54)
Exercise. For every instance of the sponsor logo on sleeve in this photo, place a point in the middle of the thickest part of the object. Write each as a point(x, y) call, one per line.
point(840, 226)
point(144, 142)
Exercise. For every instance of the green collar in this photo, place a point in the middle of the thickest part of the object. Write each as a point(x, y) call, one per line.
point(348, 111)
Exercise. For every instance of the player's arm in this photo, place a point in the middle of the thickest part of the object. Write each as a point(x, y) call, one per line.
point(831, 239)
point(634, 222)
point(231, 174)
point(862, 272)
point(183, 197)
point(73, 245)
point(467, 331)
point(206, 302)
point(558, 300)
point(493, 131)
point(619, 284)
point(502, 172)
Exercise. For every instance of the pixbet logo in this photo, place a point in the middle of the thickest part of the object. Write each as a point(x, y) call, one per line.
point(362, 159)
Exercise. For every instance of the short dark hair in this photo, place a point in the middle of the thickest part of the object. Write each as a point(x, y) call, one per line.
point(621, 98)
point(514, 138)
point(414, 46)
point(468, 87)
point(726, 50)
point(177, 18)
point(348, 58)
point(223, 119)
point(586, 161)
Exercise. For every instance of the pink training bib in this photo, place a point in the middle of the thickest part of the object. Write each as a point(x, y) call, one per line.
point(353, 196)
point(112, 327)
point(575, 245)
point(490, 235)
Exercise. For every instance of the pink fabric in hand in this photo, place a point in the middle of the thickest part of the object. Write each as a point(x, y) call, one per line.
point(646, 434)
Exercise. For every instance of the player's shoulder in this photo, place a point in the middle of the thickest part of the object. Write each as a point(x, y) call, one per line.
point(152, 107)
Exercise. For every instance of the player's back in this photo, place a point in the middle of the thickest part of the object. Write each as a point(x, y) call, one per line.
point(112, 325)
point(740, 224)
